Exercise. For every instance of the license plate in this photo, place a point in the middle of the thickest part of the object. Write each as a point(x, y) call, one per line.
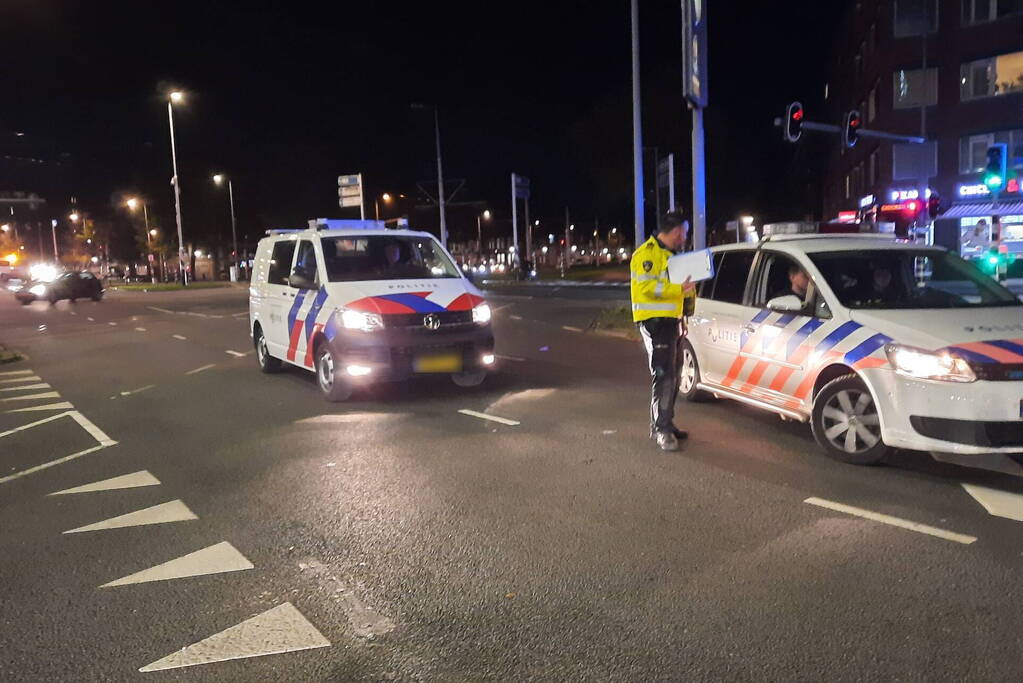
point(438, 362)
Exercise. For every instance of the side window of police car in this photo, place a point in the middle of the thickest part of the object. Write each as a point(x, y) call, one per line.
point(731, 270)
point(780, 276)
point(280, 262)
point(305, 274)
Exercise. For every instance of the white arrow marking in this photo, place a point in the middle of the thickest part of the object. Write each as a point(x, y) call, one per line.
point(125, 481)
point(171, 511)
point(216, 559)
point(278, 630)
point(996, 502)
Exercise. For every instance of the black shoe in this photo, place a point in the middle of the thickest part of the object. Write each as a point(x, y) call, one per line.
point(680, 434)
point(667, 441)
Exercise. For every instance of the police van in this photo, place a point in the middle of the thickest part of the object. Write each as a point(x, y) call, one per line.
point(876, 342)
point(357, 303)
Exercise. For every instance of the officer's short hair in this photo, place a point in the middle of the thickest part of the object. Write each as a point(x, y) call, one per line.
point(671, 220)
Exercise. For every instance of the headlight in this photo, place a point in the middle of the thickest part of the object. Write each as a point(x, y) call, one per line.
point(481, 314)
point(935, 365)
point(38, 290)
point(360, 320)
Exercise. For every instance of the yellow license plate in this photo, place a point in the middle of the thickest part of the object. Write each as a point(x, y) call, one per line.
point(439, 362)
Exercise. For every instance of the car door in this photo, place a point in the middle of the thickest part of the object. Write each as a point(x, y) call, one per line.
point(724, 314)
point(279, 296)
point(305, 309)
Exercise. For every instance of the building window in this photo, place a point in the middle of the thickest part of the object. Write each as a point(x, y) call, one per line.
point(913, 89)
point(911, 16)
point(871, 112)
point(872, 172)
point(999, 75)
point(980, 11)
point(913, 161)
point(973, 149)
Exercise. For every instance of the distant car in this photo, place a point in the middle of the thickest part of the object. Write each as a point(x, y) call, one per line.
point(71, 286)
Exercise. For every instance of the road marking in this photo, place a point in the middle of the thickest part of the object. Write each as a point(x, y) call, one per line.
point(30, 378)
point(12, 373)
point(237, 354)
point(216, 559)
point(893, 521)
point(32, 397)
point(140, 329)
point(239, 314)
point(62, 405)
point(30, 425)
point(571, 329)
point(91, 320)
point(998, 503)
point(73, 313)
point(204, 367)
point(178, 336)
point(492, 418)
point(25, 387)
point(94, 431)
point(501, 308)
point(161, 310)
point(124, 481)
point(278, 630)
point(515, 317)
point(137, 391)
point(171, 511)
point(111, 323)
point(513, 358)
point(45, 465)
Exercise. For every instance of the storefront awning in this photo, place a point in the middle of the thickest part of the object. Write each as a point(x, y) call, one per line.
point(985, 209)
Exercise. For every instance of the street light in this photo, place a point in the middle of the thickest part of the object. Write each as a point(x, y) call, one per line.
point(479, 230)
point(74, 217)
point(132, 204)
point(177, 97)
point(218, 178)
point(440, 171)
point(387, 200)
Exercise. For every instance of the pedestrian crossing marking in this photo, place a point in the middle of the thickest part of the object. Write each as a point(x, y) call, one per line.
point(278, 630)
point(26, 387)
point(32, 397)
point(216, 559)
point(124, 481)
point(12, 373)
point(62, 405)
point(171, 511)
point(33, 378)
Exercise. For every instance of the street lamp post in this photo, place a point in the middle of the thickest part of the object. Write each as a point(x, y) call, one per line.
point(218, 179)
point(376, 202)
point(479, 231)
point(177, 97)
point(132, 205)
point(440, 171)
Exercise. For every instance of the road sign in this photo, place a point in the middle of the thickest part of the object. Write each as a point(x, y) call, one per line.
point(694, 52)
point(521, 187)
point(349, 192)
point(348, 180)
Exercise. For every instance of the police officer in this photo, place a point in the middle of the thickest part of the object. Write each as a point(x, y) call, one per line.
point(657, 309)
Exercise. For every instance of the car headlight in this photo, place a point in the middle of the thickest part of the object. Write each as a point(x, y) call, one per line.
point(936, 365)
point(38, 290)
point(481, 314)
point(361, 320)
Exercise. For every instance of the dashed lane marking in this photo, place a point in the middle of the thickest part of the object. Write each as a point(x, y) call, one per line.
point(200, 369)
point(237, 354)
point(280, 629)
point(492, 418)
point(92, 320)
point(124, 481)
point(60, 405)
point(164, 513)
point(571, 328)
point(161, 310)
point(27, 378)
point(111, 323)
point(239, 314)
point(12, 373)
point(998, 503)
point(137, 391)
point(892, 521)
point(515, 317)
point(140, 329)
point(178, 336)
point(215, 559)
point(32, 397)
point(511, 358)
point(26, 387)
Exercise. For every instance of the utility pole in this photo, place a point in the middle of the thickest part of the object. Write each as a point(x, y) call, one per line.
point(694, 88)
point(637, 131)
point(923, 218)
point(515, 215)
point(440, 180)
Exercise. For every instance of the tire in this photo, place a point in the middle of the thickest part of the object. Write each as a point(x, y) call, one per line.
point(332, 383)
point(54, 299)
point(25, 302)
point(845, 422)
point(469, 378)
point(267, 363)
point(97, 296)
point(689, 374)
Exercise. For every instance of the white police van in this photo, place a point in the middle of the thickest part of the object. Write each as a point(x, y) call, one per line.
point(357, 303)
point(877, 342)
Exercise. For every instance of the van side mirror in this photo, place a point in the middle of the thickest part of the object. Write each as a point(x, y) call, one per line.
point(790, 303)
point(301, 278)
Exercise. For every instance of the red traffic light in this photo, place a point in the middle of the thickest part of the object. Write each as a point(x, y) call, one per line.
point(797, 115)
point(793, 123)
point(851, 132)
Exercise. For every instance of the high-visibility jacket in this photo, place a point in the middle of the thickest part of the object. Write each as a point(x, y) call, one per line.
point(652, 295)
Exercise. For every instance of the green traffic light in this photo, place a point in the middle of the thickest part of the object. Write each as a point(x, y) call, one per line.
point(993, 181)
point(993, 260)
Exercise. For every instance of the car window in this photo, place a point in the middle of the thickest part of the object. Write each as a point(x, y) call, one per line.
point(706, 288)
point(280, 262)
point(782, 275)
point(731, 275)
point(385, 257)
point(305, 262)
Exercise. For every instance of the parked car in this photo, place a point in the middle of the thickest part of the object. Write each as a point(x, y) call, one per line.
point(67, 286)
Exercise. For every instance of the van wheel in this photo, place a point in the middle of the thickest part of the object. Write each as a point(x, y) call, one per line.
point(470, 378)
point(689, 374)
point(846, 424)
point(267, 363)
point(333, 385)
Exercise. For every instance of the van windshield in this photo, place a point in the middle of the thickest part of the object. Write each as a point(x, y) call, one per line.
point(385, 257)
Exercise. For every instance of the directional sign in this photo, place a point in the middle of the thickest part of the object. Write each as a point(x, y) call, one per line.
point(521, 187)
point(346, 180)
point(349, 190)
point(694, 52)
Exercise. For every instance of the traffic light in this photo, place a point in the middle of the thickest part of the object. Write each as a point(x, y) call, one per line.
point(851, 131)
point(794, 122)
point(996, 167)
point(934, 205)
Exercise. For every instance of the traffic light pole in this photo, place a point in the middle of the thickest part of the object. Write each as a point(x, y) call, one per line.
point(863, 132)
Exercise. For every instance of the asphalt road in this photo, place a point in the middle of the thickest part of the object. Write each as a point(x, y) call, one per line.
point(394, 538)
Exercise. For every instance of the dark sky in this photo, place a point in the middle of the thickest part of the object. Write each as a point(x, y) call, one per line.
point(284, 96)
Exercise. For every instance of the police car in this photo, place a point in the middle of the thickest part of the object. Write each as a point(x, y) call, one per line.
point(876, 342)
point(357, 303)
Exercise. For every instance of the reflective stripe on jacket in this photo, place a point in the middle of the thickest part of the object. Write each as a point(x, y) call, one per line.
point(653, 296)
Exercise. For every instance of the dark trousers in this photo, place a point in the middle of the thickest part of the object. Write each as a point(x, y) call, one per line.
point(660, 337)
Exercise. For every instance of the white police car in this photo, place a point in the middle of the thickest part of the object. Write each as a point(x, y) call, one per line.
point(876, 342)
point(357, 303)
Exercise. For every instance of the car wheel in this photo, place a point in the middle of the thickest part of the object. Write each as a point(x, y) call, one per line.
point(25, 302)
point(333, 385)
point(267, 363)
point(846, 424)
point(97, 296)
point(689, 374)
point(470, 378)
point(54, 299)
